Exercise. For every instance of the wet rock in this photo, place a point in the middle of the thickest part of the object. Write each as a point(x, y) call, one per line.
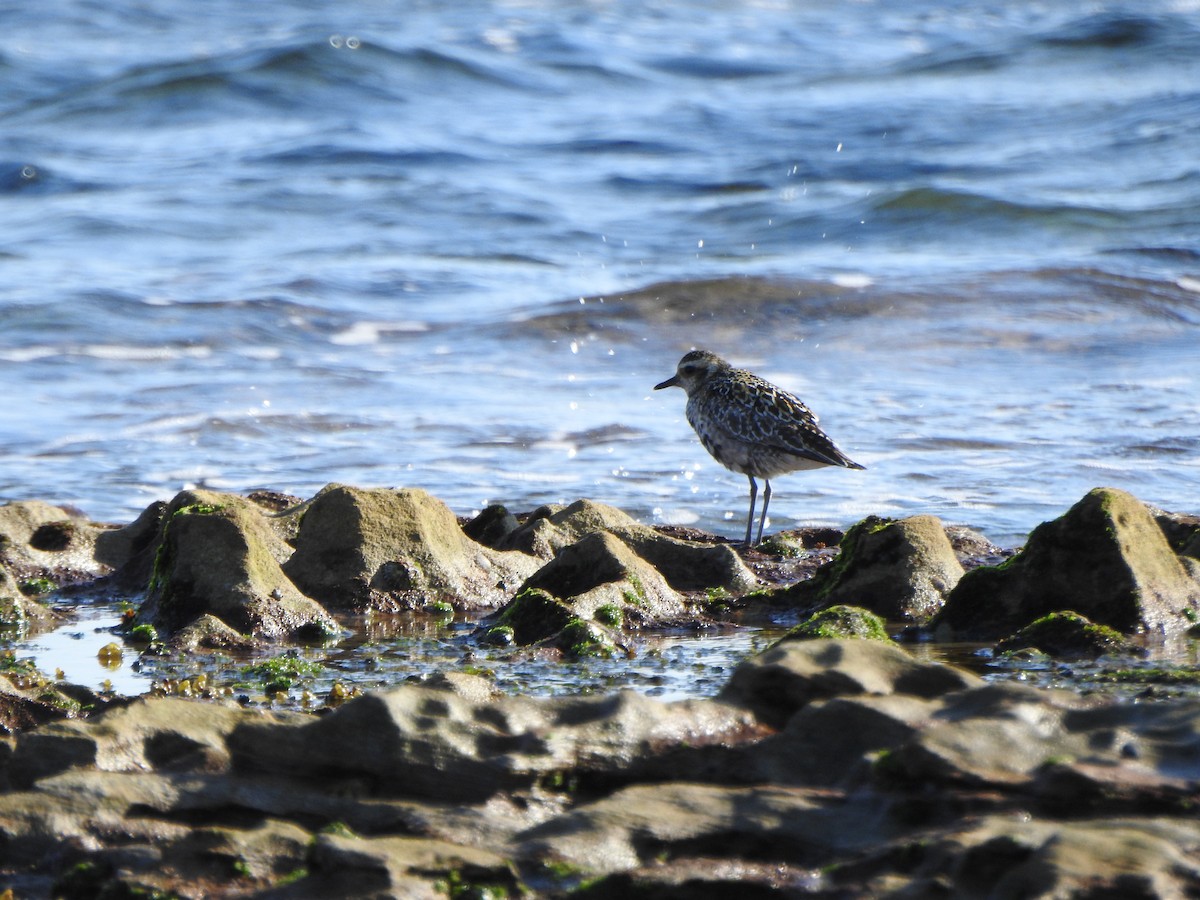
point(1106, 558)
point(395, 549)
point(551, 528)
point(216, 556)
point(600, 570)
point(21, 615)
point(899, 569)
point(45, 547)
point(534, 617)
point(130, 550)
point(1066, 635)
point(840, 622)
point(492, 526)
point(685, 565)
point(787, 677)
point(210, 633)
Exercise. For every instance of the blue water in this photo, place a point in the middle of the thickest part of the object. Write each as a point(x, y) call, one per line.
point(453, 246)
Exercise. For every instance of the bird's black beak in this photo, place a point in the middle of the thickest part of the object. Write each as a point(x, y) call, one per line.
point(673, 381)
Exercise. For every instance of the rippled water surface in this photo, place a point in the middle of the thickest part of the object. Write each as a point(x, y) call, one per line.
point(453, 246)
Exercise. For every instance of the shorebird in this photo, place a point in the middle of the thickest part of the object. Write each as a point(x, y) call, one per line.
point(750, 426)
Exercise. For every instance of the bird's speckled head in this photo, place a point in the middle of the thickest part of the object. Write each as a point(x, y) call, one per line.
point(694, 371)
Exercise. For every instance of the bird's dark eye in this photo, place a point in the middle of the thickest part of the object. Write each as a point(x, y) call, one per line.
point(690, 369)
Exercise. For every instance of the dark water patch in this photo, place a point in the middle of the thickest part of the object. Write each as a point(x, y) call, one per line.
point(706, 67)
point(684, 188)
point(1106, 31)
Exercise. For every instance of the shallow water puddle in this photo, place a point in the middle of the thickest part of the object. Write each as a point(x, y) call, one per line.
point(384, 651)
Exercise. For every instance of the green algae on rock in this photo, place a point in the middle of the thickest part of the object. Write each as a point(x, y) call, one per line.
point(838, 622)
point(900, 569)
point(1066, 634)
point(1106, 558)
point(216, 556)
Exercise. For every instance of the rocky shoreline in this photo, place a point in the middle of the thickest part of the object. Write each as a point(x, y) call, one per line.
point(834, 764)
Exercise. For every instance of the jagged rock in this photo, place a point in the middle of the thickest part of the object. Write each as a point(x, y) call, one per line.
point(897, 568)
point(790, 675)
point(216, 556)
point(1066, 634)
point(600, 570)
point(551, 528)
point(840, 622)
point(492, 526)
point(395, 549)
point(685, 565)
point(1182, 530)
point(1106, 558)
point(129, 551)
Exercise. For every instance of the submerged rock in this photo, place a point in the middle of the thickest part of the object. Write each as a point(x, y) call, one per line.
point(216, 556)
point(388, 549)
point(1106, 558)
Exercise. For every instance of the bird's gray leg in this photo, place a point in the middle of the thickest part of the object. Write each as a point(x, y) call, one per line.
point(766, 500)
point(750, 515)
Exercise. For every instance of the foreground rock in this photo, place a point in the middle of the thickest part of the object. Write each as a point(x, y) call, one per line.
point(841, 768)
point(1106, 559)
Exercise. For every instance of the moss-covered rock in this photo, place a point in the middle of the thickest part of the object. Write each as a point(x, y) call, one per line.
point(601, 570)
point(1066, 634)
point(532, 616)
point(130, 550)
point(901, 569)
point(1106, 558)
point(395, 549)
point(216, 556)
point(838, 622)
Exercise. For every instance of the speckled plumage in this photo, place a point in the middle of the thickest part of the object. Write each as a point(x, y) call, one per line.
point(750, 426)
